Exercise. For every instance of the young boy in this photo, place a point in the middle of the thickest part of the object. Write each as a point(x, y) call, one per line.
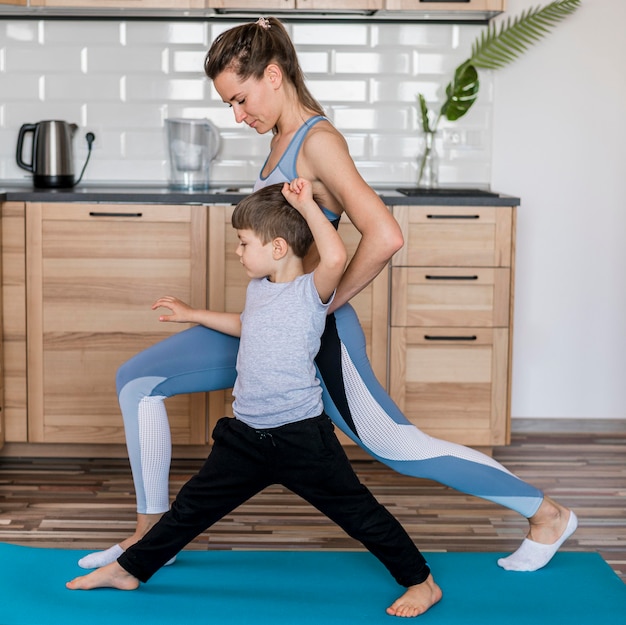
point(280, 433)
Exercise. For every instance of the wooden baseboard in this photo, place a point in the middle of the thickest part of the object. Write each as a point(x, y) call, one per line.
point(569, 426)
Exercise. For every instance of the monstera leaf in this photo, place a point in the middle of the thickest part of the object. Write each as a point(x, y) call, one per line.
point(461, 92)
point(494, 49)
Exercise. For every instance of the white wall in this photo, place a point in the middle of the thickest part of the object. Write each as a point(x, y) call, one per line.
point(559, 144)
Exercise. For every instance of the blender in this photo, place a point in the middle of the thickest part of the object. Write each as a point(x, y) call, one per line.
point(192, 145)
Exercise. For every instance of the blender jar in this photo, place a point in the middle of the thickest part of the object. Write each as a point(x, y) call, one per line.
point(192, 145)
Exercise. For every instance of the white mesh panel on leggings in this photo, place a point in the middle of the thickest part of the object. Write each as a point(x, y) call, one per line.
point(156, 453)
point(391, 440)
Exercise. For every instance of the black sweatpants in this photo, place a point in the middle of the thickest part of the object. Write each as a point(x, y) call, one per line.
point(305, 457)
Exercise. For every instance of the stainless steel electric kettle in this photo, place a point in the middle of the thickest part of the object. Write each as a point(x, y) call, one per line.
point(52, 157)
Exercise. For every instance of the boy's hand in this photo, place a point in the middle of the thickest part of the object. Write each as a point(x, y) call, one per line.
point(181, 312)
point(299, 193)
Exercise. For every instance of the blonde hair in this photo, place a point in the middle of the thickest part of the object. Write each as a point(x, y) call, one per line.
point(249, 48)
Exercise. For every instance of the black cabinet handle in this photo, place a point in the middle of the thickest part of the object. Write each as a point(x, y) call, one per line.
point(106, 214)
point(453, 216)
point(450, 338)
point(428, 277)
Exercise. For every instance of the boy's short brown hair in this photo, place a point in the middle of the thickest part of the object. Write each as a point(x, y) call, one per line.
point(269, 215)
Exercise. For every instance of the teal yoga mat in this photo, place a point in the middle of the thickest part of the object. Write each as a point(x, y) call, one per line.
point(308, 588)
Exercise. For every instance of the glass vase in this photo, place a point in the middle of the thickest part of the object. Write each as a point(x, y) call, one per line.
point(428, 162)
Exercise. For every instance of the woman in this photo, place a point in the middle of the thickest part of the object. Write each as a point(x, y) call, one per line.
point(255, 69)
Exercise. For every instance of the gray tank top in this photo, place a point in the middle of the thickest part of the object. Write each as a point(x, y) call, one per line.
point(280, 336)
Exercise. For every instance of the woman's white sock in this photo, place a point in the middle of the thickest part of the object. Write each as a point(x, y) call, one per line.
point(532, 555)
point(101, 558)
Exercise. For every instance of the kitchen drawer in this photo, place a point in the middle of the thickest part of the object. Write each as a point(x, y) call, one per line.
point(455, 236)
point(452, 383)
point(450, 296)
point(444, 5)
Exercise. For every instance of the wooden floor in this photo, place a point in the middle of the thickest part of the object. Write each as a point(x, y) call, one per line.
point(89, 504)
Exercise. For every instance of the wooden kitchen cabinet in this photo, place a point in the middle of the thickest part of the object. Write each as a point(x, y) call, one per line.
point(305, 5)
point(92, 273)
point(444, 5)
point(451, 321)
point(251, 4)
point(2, 435)
point(228, 286)
point(121, 4)
point(14, 407)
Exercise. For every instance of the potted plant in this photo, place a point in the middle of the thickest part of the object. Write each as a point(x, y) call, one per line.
point(493, 49)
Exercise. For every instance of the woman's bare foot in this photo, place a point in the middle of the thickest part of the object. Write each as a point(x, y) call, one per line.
point(549, 528)
point(98, 559)
point(109, 576)
point(417, 599)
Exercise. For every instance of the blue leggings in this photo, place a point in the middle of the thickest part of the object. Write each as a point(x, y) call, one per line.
point(200, 360)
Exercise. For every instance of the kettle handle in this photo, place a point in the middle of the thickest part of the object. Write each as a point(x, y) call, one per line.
point(215, 135)
point(20, 145)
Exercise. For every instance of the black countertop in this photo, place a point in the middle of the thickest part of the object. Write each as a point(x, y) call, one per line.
point(148, 194)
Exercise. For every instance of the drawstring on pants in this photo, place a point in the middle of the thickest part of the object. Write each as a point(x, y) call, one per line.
point(263, 435)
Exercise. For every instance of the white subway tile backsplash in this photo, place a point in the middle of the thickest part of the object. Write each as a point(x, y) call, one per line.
point(372, 63)
point(37, 59)
point(121, 79)
point(19, 32)
point(346, 90)
point(121, 115)
point(144, 88)
point(315, 62)
point(376, 119)
point(59, 32)
point(188, 61)
point(19, 88)
point(325, 35)
point(112, 60)
point(81, 87)
point(181, 32)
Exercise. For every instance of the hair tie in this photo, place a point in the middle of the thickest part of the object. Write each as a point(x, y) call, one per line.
point(263, 22)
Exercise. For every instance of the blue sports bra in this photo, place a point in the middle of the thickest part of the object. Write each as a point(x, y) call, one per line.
point(285, 170)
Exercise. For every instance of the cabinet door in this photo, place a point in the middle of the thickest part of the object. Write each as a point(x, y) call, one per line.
point(93, 272)
point(2, 434)
point(371, 304)
point(251, 4)
point(428, 6)
point(14, 322)
point(452, 383)
point(338, 5)
point(121, 4)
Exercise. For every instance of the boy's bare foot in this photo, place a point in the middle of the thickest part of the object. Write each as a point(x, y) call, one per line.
point(549, 528)
point(109, 576)
point(417, 599)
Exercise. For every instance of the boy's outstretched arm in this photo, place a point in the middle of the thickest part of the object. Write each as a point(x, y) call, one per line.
point(228, 323)
point(330, 247)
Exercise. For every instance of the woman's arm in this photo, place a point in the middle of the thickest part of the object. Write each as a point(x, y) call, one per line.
point(339, 185)
point(227, 323)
